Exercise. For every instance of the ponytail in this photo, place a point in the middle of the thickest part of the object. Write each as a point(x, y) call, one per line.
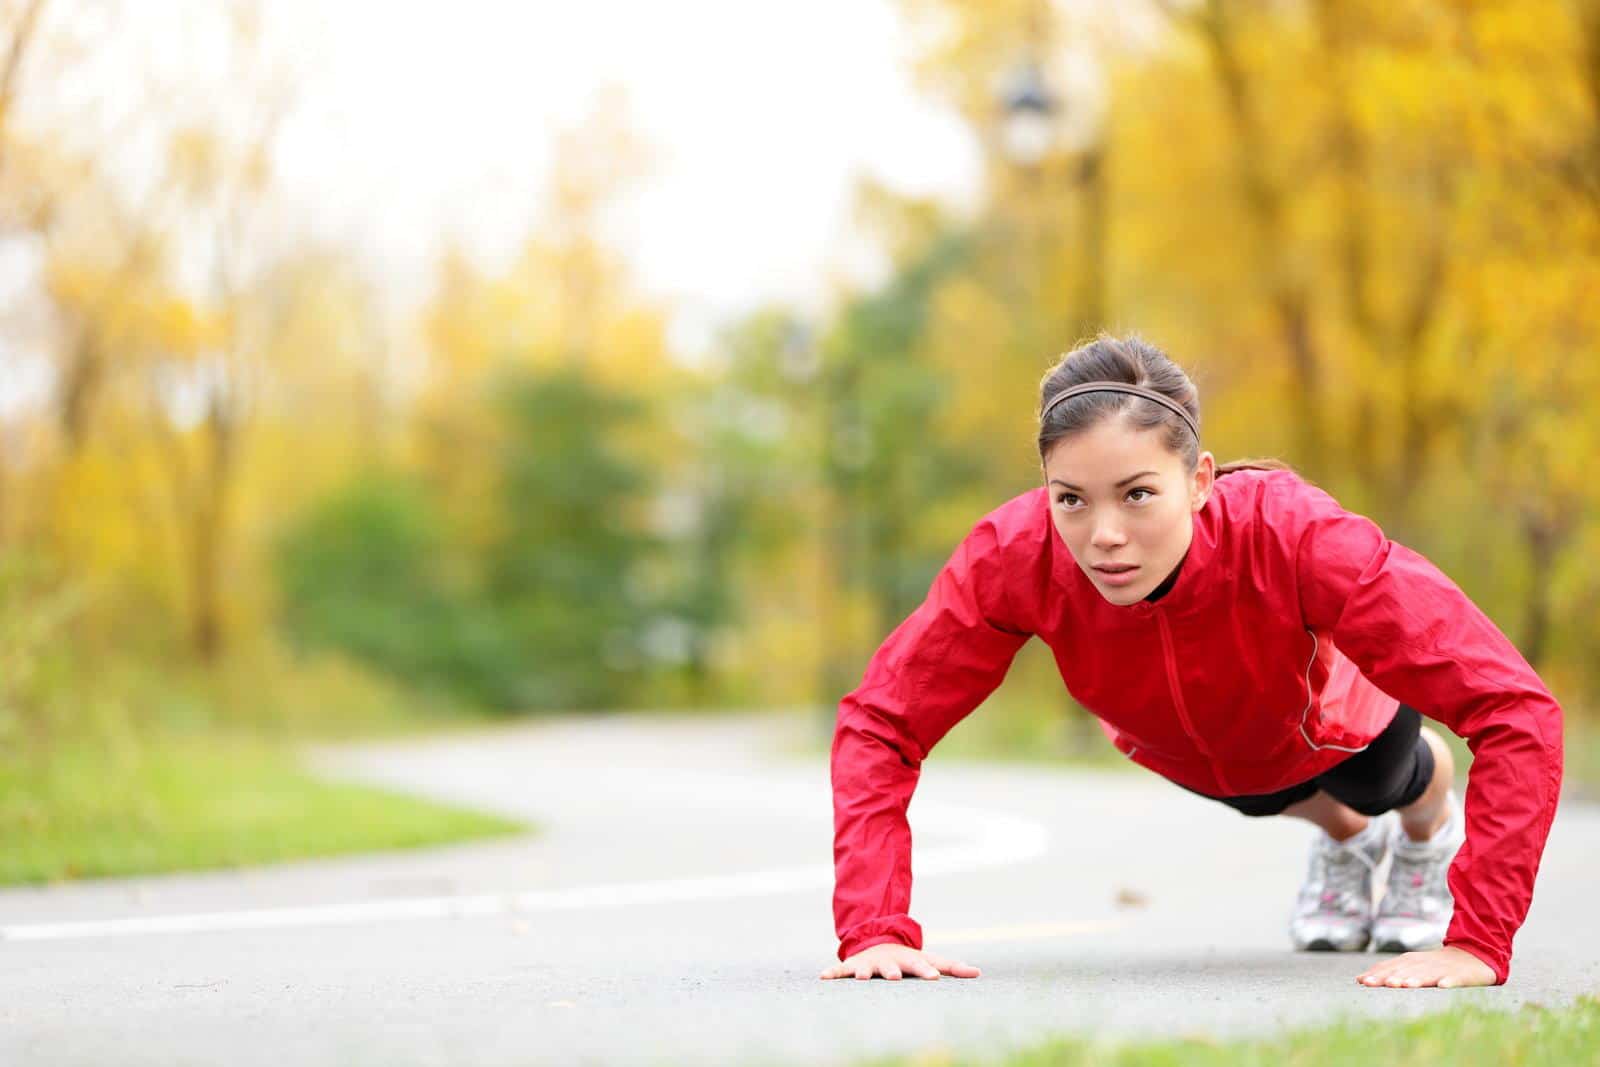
point(1260, 464)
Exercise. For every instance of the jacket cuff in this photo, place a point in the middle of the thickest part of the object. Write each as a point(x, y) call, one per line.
point(901, 929)
point(1498, 962)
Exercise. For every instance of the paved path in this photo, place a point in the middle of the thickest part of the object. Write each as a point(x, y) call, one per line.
point(676, 910)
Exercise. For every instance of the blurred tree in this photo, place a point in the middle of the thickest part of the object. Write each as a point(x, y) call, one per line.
point(751, 578)
point(20, 21)
point(885, 466)
point(561, 577)
point(563, 485)
point(367, 571)
point(550, 614)
point(1266, 194)
point(566, 300)
point(159, 348)
point(222, 382)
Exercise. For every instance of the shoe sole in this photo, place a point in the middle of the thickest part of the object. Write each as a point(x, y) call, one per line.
point(1396, 945)
point(1322, 944)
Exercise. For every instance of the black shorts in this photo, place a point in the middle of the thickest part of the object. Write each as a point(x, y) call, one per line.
point(1391, 772)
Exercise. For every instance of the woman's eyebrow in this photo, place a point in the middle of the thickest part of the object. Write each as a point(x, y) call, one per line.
point(1119, 485)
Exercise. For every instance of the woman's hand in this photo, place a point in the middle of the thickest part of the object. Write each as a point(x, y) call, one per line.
point(892, 961)
point(1447, 968)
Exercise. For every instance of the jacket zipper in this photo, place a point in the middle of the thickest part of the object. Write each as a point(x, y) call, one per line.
point(1178, 702)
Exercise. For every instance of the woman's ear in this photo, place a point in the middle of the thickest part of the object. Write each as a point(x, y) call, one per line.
point(1205, 476)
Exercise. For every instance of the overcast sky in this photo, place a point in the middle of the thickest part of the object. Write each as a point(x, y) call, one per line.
point(417, 120)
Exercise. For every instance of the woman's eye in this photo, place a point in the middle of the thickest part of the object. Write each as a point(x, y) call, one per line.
point(1071, 499)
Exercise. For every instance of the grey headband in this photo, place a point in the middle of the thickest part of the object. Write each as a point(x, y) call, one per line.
point(1131, 390)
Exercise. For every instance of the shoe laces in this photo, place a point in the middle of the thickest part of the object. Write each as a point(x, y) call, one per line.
point(1340, 875)
point(1416, 881)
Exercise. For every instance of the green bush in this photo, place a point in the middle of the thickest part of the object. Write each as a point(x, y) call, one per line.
point(548, 613)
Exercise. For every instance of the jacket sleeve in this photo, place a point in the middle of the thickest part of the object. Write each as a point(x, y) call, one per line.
point(1418, 637)
point(930, 672)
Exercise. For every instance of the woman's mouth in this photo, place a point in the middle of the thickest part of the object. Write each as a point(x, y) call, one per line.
point(1116, 573)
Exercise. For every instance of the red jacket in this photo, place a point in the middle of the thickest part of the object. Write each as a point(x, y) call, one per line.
point(1292, 632)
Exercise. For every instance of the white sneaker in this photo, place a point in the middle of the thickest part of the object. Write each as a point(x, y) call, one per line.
point(1333, 912)
point(1415, 909)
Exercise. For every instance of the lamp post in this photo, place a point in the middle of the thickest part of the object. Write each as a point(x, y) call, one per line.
point(1033, 121)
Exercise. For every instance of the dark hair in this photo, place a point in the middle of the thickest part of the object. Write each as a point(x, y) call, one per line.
point(1134, 362)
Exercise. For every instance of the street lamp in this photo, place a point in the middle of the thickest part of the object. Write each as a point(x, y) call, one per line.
point(1028, 125)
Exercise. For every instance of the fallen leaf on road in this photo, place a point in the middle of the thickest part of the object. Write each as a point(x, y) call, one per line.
point(1131, 898)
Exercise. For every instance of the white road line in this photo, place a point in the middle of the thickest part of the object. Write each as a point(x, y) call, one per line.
point(992, 840)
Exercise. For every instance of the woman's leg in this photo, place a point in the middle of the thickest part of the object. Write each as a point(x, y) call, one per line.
point(1333, 909)
point(1428, 812)
point(1406, 770)
point(1417, 906)
point(1419, 819)
point(1337, 819)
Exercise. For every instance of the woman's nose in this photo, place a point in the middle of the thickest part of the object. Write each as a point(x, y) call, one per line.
point(1107, 535)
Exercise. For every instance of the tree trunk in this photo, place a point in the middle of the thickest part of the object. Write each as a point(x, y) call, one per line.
point(1545, 540)
point(21, 38)
point(209, 532)
point(1288, 296)
point(1091, 302)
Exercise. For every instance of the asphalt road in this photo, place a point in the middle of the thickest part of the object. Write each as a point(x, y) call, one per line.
point(677, 910)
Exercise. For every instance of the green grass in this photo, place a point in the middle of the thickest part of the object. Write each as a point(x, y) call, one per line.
point(193, 803)
point(1462, 1037)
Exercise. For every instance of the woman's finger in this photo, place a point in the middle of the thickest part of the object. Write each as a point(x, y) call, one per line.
point(896, 967)
point(908, 961)
point(952, 967)
point(1377, 975)
point(1398, 977)
point(1422, 970)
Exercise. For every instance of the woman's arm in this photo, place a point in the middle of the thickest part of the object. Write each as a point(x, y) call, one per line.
point(1419, 638)
point(936, 666)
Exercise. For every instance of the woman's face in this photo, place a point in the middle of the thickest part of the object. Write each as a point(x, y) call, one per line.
point(1124, 505)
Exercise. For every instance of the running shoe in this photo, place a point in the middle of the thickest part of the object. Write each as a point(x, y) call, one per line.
point(1415, 908)
point(1333, 912)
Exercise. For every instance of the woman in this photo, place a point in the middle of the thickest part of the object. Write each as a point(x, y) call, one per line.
point(1238, 632)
